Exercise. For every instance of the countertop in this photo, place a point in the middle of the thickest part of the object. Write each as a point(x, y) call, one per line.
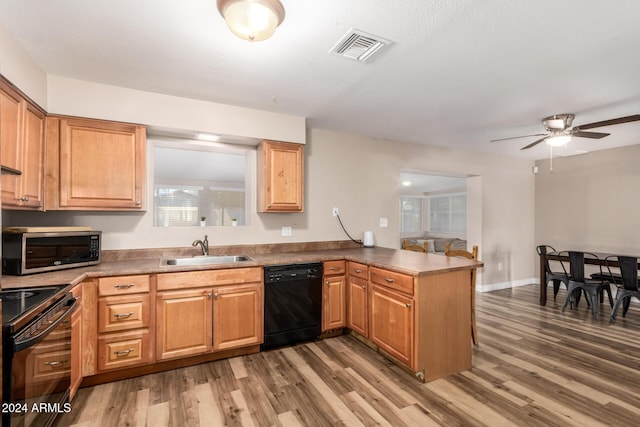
point(412, 263)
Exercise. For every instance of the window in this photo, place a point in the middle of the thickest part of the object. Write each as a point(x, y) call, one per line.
point(444, 213)
point(448, 213)
point(192, 180)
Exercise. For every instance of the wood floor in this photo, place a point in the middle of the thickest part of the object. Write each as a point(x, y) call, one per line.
point(535, 366)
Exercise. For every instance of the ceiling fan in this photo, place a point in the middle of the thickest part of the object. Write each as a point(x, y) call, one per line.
point(560, 132)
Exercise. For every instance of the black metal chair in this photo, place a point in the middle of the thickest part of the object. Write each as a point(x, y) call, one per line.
point(592, 288)
point(629, 286)
point(556, 276)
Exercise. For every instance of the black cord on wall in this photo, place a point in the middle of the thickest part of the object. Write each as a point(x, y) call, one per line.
point(346, 232)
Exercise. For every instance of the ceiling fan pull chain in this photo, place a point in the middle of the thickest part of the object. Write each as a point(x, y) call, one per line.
point(551, 158)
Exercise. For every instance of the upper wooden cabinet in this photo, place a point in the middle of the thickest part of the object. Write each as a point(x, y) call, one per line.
point(95, 165)
point(280, 177)
point(22, 127)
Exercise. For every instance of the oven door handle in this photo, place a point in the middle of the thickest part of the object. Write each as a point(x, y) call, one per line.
point(21, 345)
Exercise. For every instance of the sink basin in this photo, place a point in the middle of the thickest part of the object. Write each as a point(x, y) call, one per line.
point(207, 259)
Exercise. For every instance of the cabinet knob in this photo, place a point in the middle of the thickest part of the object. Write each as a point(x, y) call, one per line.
point(326, 283)
point(363, 286)
point(138, 202)
point(215, 295)
point(408, 305)
point(209, 295)
point(24, 199)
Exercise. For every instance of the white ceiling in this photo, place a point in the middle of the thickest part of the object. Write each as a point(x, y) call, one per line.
point(459, 72)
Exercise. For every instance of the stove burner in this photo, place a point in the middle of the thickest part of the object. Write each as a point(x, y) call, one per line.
point(16, 295)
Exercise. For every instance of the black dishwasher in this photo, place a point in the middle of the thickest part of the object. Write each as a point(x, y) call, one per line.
point(292, 304)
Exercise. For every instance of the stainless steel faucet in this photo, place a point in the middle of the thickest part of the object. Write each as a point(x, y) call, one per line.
point(203, 244)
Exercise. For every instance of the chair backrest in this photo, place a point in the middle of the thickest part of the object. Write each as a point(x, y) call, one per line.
point(543, 250)
point(416, 248)
point(629, 271)
point(576, 264)
point(464, 254)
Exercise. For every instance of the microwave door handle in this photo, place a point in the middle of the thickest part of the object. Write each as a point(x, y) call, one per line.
point(21, 345)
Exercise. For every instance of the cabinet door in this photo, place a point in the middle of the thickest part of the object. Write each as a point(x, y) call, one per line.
point(391, 323)
point(183, 323)
point(76, 343)
point(11, 136)
point(238, 316)
point(357, 312)
point(31, 180)
point(102, 165)
point(281, 178)
point(333, 303)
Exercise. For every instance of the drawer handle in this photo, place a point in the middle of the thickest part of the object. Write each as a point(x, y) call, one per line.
point(389, 280)
point(358, 270)
point(56, 363)
point(125, 286)
point(123, 352)
point(334, 268)
point(119, 316)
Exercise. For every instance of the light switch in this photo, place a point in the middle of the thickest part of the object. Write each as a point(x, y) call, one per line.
point(384, 222)
point(286, 231)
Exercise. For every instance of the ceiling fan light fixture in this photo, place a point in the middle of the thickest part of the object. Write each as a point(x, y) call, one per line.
point(253, 20)
point(558, 140)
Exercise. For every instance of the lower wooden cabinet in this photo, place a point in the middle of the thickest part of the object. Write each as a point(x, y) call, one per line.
point(76, 343)
point(391, 323)
point(183, 323)
point(125, 349)
point(358, 306)
point(334, 295)
point(238, 317)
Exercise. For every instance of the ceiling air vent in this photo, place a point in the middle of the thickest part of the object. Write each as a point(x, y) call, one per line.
point(358, 45)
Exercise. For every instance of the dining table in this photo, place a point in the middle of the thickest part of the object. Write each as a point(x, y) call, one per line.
point(601, 260)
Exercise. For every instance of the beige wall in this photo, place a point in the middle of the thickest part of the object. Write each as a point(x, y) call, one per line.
point(21, 70)
point(360, 176)
point(590, 202)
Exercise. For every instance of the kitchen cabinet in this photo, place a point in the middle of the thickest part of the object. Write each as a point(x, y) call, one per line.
point(22, 126)
point(124, 322)
point(334, 295)
point(76, 342)
point(357, 298)
point(203, 311)
point(391, 313)
point(184, 323)
point(238, 318)
point(95, 165)
point(280, 177)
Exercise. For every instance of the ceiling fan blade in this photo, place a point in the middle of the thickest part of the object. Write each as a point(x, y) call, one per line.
point(593, 135)
point(516, 137)
point(534, 143)
point(617, 121)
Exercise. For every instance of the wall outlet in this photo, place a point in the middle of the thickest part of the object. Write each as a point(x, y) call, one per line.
point(286, 231)
point(335, 211)
point(384, 222)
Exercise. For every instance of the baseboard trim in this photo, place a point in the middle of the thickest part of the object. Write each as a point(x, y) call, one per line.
point(506, 285)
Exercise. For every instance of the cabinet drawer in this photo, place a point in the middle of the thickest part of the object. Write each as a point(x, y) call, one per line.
point(50, 365)
point(334, 267)
point(121, 285)
point(391, 279)
point(359, 270)
point(117, 351)
point(121, 313)
point(195, 279)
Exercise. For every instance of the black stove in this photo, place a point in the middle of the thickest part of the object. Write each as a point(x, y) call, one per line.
point(19, 306)
point(36, 339)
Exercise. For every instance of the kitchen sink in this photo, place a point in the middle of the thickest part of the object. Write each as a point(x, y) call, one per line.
point(207, 259)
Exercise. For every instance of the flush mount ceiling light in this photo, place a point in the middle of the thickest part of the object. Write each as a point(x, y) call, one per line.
point(558, 140)
point(252, 20)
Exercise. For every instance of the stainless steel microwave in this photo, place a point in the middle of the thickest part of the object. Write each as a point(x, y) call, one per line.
point(37, 252)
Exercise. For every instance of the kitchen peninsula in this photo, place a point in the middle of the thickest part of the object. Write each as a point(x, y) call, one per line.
point(412, 307)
